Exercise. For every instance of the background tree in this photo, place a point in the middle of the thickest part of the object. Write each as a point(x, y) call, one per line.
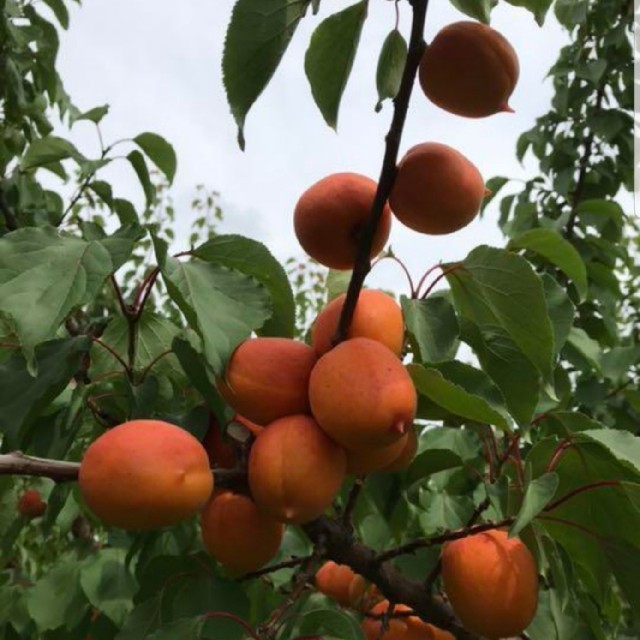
point(99, 325)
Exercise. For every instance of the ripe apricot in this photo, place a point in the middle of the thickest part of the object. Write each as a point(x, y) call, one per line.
point(340, 582)
point(295, 469)
point(31, 505)
point(145, 474)
point(363, 461)
point(361, 395)
point(267, 378)
point(237, 534)
point(469, 69)
point(492, 583)
point(377, 316)
point(329, 217)
point(437, 189)
point(408, 453)
point(405, 628)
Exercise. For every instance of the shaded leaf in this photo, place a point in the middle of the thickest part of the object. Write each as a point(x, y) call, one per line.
point(160, 152)
point(537, 496)
point(46, 150)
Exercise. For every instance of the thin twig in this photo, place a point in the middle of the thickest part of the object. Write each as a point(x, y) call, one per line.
point(148, 368)
point(106, 347)
point(445, 272)
point(352, 501)
point(579, 490)
point(286, 564)
point(118, 292)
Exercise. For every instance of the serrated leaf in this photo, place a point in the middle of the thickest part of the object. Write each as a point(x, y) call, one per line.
point(495, 287)
point(160, 152)
point(391, 63)
point(552, 246)
point(538, 495)
point(432, 326)
point(221, 305)
point(50, 149)
point(23, 397)
point(140, 167)
point(257, 37)
point(43, 276)
point(254, 259)
point(432, 384)
point(330, 57)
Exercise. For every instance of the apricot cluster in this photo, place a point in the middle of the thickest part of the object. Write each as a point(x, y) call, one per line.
point(400, 628)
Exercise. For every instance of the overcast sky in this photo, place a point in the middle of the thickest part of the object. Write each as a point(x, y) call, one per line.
point(157, 64)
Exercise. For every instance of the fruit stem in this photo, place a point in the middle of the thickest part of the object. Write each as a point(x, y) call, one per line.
point(425, 275)
point(444, 273)
point(404, 268)
point(362, 264)
point(286, 564)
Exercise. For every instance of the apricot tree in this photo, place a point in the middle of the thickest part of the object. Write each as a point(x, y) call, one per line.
point(183, 456)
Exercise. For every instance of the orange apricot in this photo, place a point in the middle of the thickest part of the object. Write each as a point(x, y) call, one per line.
point(362, 395)
point(237, 534)
point(267, 378)
point(377, 316)
point(295, 469)
point(340, 582)
point(404, 628)
point(329, 217)
point(437, 189)
point(31, 505)
point(408, 453)
point(145, 474)
point(469, 69)
point(363, 461)
point(492, 583)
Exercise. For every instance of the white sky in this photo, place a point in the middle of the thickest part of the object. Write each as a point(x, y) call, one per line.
point(159, 69)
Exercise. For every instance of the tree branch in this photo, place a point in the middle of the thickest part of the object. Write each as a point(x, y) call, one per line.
point(16, 463)
point(362, 264)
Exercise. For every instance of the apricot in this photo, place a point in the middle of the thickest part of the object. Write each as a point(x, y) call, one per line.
point(363, 461)
point(405, 628)
point(267, 378)
point(295, 469)
point(31, 505)
point(220, 451)
point(492, 583)
point(377, 316)
point(406, 456)
point(145, 474)
point(437, 189)
point(329, 217)
point(469, 69)
point(361, 395)
point(340, 582)
point(237, 534)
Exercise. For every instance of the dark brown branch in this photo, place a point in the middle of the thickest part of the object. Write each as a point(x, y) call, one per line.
point(286, 564)
point(352, 501)
point(11, 221)
point(16, 463)
point(362, 264)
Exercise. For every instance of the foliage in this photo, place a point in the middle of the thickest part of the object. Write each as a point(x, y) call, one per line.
point(100, 323)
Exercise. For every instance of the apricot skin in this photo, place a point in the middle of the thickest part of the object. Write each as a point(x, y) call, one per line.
point(295, 469)
point(329, 216)
point(492, 583)
point(237, 534)
point(361, 395)
point(267, 378)
point(145, 474)
point(31, 505)
point(377, 316)
point(408, 453)
point(405, 628)
point(469, 69)
point(364, 461)
point(340, 582)
point(437, 189)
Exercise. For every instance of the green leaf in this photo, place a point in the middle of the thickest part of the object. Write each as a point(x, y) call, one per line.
point(332, 623)
point(539, 8)
point(48, 150)
point(121, 243)
point(125, 211)
point(221, 305)
point(537, 496)
point(587, 348)
point(552, 246)
point(494, 185)
point(103, 191)
point(23, 397)
point(561, 311)
point(624, 446)
point(254, 259)
point(108, 584)
point(60, 11)
point(43, 276)
point(160, 152)
point(496, 287)
point(93, 115)
point(444, 512)
point(140, 167)
point(432, 384)
point(391, 62)
point(478, 9)
point(143, 620)
point(432, 326)
point(257, 37)
point(337, 283)
point(330, 56)
point(56, 600)
point(187, 629)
